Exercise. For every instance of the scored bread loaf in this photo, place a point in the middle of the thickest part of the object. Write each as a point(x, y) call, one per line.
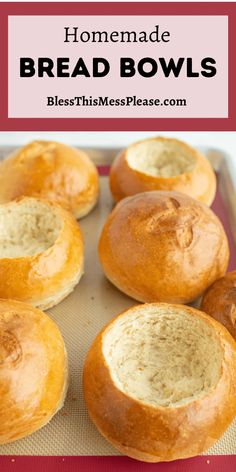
point(219, 301)
point(53, 171)
point(33, 370)
point(163, 246)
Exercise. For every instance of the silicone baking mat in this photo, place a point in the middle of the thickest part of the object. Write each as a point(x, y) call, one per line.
point(80, 317)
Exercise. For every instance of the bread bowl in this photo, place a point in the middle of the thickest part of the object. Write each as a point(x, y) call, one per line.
point(53, 171)
point(219, 301)
point(162, 164)
point(160, 382)
point(163, 247)
point(41, 252)
point(33, 370)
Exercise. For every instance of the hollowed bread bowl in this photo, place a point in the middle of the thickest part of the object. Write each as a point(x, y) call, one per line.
point(41, 252)
point(160, 382)
point(162, 164)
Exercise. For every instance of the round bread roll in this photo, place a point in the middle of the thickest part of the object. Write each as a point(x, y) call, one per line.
point(162, 164)
point(220, 301)
point(163, 246)
point(41, 252)
point(53, 171)
point(160, 382)
point(33, 370)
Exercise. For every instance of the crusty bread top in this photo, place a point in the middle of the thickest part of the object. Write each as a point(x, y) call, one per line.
point(28, 227)
point(163, 246)
point(219, 301)
point(163, 355)
point(53, 171)
point(33, 370)
point(161, 157)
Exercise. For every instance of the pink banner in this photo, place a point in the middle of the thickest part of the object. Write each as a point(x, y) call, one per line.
point(118, 66)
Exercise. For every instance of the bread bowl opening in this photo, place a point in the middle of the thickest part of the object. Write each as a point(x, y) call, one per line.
point(161, 158)
point(27, 227)
point(163, 356)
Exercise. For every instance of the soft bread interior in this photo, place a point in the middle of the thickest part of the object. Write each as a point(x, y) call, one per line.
point(164, 158)
point(163, 356)
point(27, 227)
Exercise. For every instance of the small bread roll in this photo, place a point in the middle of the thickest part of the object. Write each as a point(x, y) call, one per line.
point(163, 247)
point(160, 382)
point(41, 252)
point(53, 171)
point(33, 370)
point(220, 301)
point(162, 164)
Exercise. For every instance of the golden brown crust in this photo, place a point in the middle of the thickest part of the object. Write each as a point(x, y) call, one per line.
point(154, 434)
point(32, 279)
point(220, 302)
point(200, 183)
point(33, 370)
point(53, 171)
point(163, 246)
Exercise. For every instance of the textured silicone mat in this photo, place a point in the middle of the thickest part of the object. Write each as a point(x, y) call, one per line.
point(80, 317)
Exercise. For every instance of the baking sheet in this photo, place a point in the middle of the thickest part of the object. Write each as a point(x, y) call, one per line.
point(93, 302)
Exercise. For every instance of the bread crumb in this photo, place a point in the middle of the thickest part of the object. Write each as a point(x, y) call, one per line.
point(27, 228)
point(167, 343)
point(161, 158)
